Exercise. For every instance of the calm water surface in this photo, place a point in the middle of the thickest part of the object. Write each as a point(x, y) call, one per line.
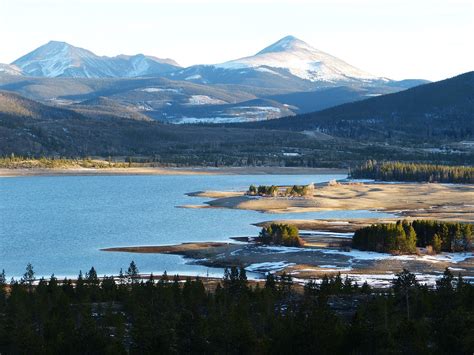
point(60, 223)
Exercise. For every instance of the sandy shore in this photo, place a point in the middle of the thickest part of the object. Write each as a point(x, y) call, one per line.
point(410, 200)
point(171, 171)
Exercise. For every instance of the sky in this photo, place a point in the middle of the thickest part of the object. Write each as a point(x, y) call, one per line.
point(398, 39)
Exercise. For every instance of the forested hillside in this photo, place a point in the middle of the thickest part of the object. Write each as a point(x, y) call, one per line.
point(102, 128)
point(13, 106)
point(439, 111)
point(399, 171)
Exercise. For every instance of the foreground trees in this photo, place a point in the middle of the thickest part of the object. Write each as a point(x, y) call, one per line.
point(331, 316)
point(403, 237)
point(398, 171)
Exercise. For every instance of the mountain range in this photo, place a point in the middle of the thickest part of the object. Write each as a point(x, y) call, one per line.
point(431, 122)
point(60, 59)
point(286, 78)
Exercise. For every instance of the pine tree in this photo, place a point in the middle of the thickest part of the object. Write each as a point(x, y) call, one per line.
point(270, 283)
point(132, 273)
point(403, 285)
point(3, 279)
point(29, 276)
point(121, 277)
point(445, 283)
point(437, 243)
point(91, 277)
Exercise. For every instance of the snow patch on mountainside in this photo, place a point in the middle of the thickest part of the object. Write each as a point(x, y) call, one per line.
point(204, 100)
point(194, 77)
point(56, 59)
point(10, 69)
point(266, 70)
point(151, 90)
point(233, 115)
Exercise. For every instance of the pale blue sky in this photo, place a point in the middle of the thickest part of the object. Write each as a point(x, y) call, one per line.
point(393, 38)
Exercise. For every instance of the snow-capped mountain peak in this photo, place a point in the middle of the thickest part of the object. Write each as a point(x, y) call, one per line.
point(285, 44)
point(301, 60)
point(60, 59)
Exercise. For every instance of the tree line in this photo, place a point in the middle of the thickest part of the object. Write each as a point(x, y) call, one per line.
point(165, 315)
point(403, 237)
point(280, 234)
point(263, 190)
point(19, 162)
point(399, 171)
point(272, 190)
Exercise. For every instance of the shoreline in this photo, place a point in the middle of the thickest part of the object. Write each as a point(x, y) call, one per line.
point(404, 200)
point(19, 172)
point(310, 262)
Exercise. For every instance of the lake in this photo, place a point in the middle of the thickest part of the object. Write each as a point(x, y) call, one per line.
point(60, 223)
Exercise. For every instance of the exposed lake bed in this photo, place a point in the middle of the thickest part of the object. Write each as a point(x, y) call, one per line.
point(326, 250)
point(313, 263)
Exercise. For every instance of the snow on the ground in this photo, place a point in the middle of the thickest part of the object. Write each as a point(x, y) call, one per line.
point(151, 89)
point(236, 114)
point(268, 266)
point(335, 268)
point(281, 249)
point(204, 100)
point(371, 255)
point(266, 70)
point(358, 254)
point(355, 254)
point(194, 120)
point(347, 235)
point(443, 257)
point(260, 108)
point(194, 77)
point(387, 279)
point(10, 69)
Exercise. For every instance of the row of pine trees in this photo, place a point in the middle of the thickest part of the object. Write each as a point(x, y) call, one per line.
point(400, 171)
point(404, 237)
point(168, 316)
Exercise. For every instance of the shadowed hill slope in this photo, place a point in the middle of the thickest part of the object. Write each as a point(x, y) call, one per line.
point(440, 110)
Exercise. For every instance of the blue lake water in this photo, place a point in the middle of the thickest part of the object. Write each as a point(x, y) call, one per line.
point(60, 223)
